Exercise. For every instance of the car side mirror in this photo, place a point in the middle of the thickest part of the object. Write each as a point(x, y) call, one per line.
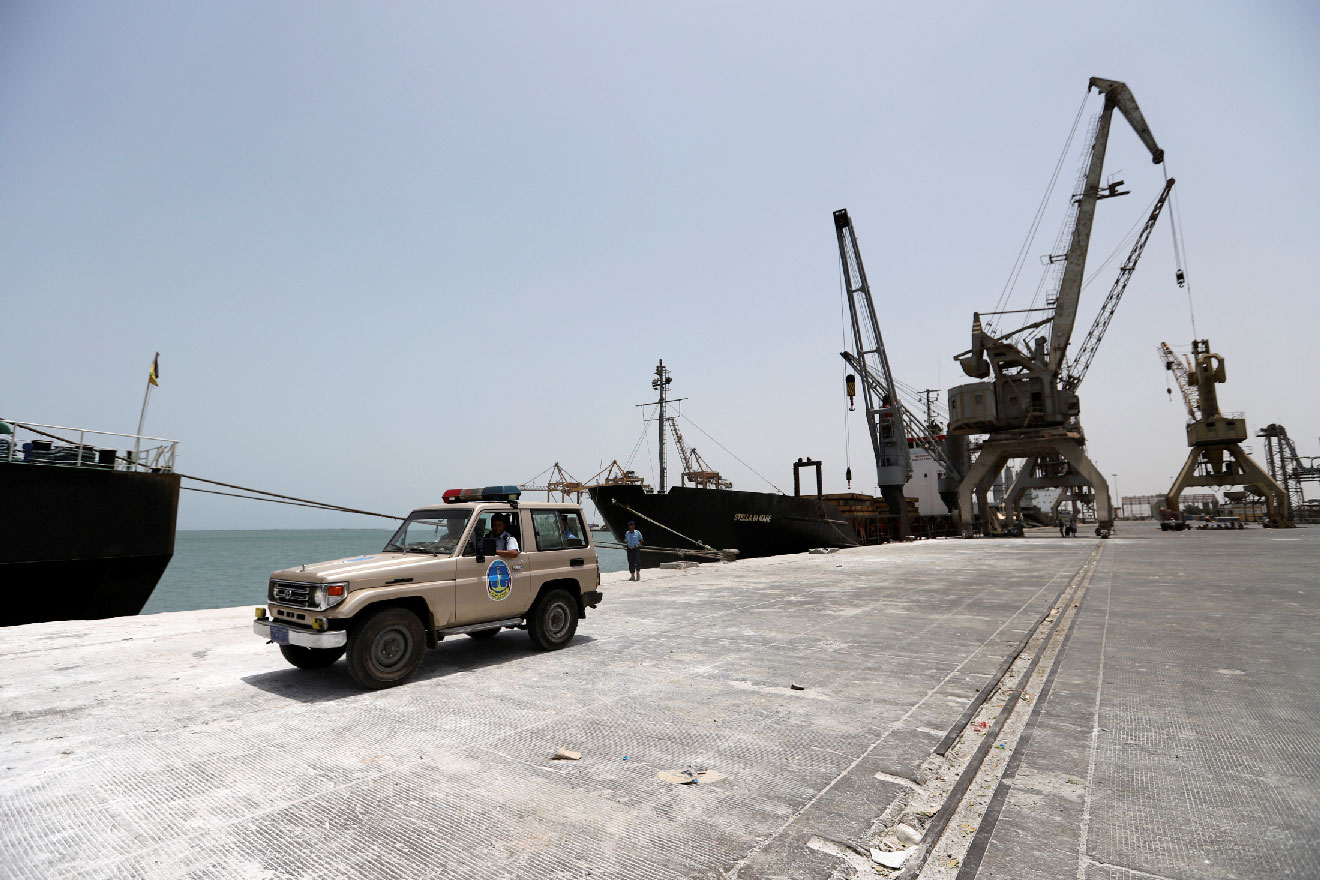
point(475, 546)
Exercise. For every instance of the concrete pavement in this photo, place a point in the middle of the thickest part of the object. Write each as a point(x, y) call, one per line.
point(179, 745)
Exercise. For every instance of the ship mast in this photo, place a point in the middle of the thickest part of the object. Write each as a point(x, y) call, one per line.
point(661, 384)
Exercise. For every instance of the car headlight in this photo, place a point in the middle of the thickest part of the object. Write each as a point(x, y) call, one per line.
point(329, 595)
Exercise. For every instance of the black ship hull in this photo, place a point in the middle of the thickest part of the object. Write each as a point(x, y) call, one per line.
point(82, 543)
point(753, 523)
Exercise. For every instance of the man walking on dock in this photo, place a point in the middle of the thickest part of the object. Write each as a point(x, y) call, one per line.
point(633, 539)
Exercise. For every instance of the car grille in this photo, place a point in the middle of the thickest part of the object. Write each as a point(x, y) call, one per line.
point(289, 593)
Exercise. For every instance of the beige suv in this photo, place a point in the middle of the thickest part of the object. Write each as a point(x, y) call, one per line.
point(440, 575)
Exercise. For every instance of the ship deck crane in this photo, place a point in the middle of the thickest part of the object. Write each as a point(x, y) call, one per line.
point(695, 469)
point(1027, 409)
point(1215, 437)
point(885, 422)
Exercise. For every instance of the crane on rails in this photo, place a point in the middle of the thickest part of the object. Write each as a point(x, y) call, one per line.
point(1053, 470)
point(1215, 437)
point(1030, 408)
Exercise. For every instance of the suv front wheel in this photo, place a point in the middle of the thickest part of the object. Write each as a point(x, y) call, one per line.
point(386, 648)
point(553, 620)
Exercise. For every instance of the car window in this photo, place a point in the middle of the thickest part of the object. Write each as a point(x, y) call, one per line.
point(546, 525)
point(430, 531)
point(570, 526)
point(481, 528)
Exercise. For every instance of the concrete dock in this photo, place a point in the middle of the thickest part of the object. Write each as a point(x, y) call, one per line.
point(1169, 730)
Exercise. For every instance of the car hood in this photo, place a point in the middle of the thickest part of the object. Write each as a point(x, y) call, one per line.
point(373, 569)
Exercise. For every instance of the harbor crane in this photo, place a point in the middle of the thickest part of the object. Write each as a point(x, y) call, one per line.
point(1289, 471)
point(1030, 409)
point(893, 428)
point(1215, 437)
point(1043, 471)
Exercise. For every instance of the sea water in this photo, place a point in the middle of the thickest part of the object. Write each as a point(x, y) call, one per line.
point(221, 569)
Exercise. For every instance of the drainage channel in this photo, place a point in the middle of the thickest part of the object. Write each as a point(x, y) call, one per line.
point(926, 832)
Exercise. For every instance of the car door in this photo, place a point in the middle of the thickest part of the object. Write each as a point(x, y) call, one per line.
point(562, 542)
point(493, 588)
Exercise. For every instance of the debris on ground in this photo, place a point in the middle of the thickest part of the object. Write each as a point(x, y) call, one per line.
point(567, 755)
point(890, 859)
point(690, 777)
point(796, 687)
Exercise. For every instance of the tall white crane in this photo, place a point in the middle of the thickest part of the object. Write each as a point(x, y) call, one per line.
point(885, 415)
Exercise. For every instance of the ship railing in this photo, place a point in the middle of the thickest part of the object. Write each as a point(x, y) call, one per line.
point(59, 445)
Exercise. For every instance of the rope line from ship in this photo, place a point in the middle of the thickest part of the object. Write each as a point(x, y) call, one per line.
point(704, 547)
point(272, 497)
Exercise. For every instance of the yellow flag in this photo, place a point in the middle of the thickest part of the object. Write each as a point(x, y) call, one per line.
point(154, 375)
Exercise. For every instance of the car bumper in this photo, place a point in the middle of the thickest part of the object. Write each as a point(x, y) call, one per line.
point(287, 635)
point(591, 599)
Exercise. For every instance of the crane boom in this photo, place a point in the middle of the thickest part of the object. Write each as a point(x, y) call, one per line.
point(884, 410)
point(1181, 377)
point(1082, 362)
point(1117, 95)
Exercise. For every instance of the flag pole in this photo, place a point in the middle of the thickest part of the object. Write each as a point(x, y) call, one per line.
point(146, 398)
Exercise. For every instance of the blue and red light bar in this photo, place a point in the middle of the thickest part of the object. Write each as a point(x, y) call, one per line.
point(488, 493)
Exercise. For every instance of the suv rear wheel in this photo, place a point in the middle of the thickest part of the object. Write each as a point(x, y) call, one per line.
point(311, 658)
point(553, 620)
point(386, 648)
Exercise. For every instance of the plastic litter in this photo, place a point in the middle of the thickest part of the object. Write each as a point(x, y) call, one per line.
point(567, 755)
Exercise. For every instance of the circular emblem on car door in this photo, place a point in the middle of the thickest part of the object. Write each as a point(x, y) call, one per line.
point(498, 580)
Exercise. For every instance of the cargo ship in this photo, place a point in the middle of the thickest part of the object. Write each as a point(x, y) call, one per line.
point(86, 523)
point(704, 518)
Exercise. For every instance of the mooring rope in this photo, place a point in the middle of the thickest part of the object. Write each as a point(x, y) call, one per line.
point(665, 527)
point(283, 499)
point(678, 551)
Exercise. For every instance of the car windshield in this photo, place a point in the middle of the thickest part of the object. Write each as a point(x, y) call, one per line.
point(430, 531)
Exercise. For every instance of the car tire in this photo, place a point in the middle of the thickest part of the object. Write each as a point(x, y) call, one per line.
point(484, 634)
point(386, 648)
point(311, 658)
point(553, 620)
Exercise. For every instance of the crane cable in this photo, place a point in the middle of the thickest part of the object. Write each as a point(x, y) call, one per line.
point(1179, 249)
point(847, 421)
point(1020, 262)
point(688, 419)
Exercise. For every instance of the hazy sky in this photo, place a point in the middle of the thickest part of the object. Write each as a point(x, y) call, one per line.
point(386, 249)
